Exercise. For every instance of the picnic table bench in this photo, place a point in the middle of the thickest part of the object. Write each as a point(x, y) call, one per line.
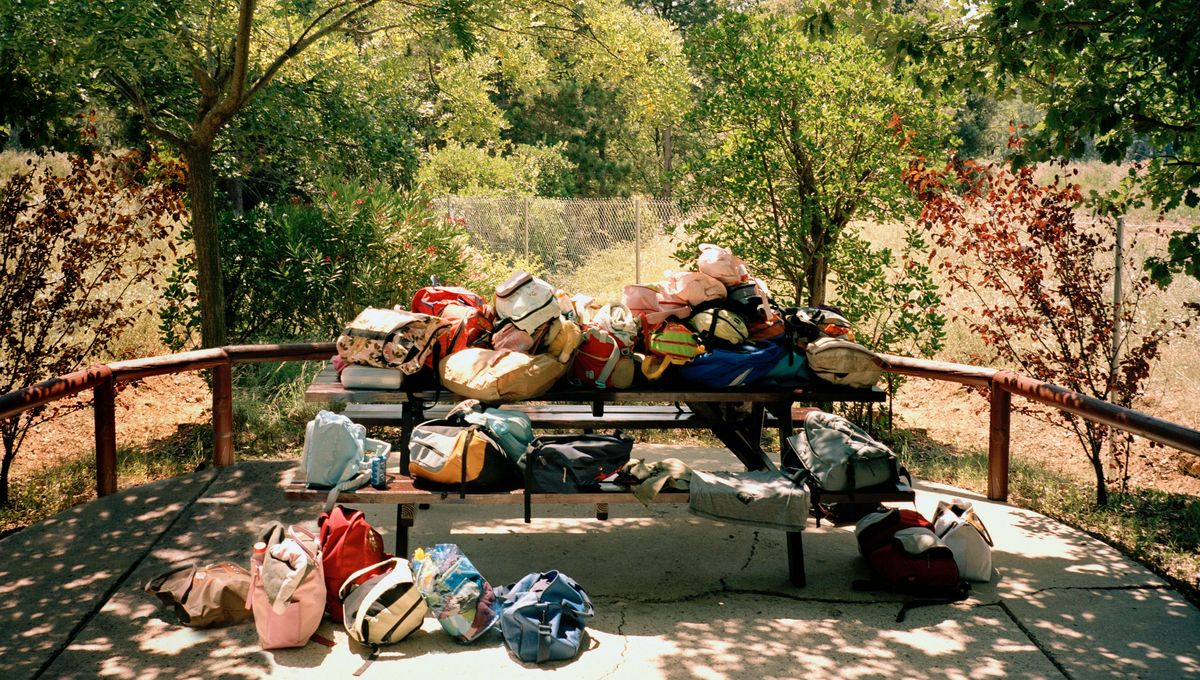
point(737, 416)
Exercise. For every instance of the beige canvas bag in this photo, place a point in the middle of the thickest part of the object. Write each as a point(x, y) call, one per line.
point(498, 376)
point(390, 338)
point(842, 362)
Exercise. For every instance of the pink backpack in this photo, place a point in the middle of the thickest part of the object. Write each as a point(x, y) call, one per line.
point(721, 264)
point(692, 288)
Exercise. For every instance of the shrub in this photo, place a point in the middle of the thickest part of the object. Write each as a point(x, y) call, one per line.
point(304, 268)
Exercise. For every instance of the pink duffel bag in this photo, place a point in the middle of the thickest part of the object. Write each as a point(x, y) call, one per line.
point(691, 288)
point(721, 264)
point(649, 303)
point(287, 586)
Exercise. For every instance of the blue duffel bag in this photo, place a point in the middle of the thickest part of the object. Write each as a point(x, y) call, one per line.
point(733, 367)
point(542, 616)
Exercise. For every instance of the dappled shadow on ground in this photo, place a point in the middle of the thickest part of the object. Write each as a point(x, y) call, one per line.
point(676, 596)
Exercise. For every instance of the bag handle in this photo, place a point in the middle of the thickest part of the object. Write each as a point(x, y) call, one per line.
point(365, 570)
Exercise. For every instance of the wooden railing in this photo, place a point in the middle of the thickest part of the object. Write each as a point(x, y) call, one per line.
point(102, 380)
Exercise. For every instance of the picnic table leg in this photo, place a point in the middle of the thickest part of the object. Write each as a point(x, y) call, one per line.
point(408, 416)
point(405, 515)
point(795, 557)
point(743, 438)
point(782, 410)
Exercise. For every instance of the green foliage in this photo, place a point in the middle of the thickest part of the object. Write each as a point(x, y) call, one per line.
point(801, 136)
point(75, 249)
point(302, 269)
point(479, 171)
point(894, 303)
point(1183, 256)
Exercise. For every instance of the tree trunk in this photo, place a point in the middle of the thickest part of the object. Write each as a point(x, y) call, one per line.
point(1097, 445)
point(816, 281)
point(9, 454)
point(208, 248)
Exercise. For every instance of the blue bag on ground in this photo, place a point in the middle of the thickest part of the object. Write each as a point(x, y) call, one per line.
point(457, 594)
point(542, 616)
point(732, 367)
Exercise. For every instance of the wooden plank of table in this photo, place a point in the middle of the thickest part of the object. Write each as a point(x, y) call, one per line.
point(401, 491)
point(328, 388)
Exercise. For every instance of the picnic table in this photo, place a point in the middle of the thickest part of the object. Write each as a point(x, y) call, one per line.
point(737, 416)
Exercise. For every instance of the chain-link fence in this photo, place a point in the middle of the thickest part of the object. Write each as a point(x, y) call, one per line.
point(592, 246)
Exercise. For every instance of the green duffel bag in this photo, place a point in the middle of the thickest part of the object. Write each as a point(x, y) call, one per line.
point(837, 456)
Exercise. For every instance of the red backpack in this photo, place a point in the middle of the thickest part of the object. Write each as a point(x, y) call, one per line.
point(348, 544)
point(876, 529)
point(433, 300)
point(470, 327)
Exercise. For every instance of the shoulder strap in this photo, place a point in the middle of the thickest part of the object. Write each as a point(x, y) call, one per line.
point(365, 570)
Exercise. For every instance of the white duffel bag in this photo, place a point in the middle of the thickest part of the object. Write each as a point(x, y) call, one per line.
point(963, 532)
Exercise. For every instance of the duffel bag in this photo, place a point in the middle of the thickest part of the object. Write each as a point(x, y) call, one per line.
point(390, 338)
point(454, 452)
point(572, 463)
point(543, 615)
point(837, 455)
point(842, 362)
point(915, 562)
point(498, 376)
point(960, 528)
point(732, 367)
point(875, 530)
point(459, 597)
point(790, 371)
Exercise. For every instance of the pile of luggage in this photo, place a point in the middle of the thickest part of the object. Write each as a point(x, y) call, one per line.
point(715, 327)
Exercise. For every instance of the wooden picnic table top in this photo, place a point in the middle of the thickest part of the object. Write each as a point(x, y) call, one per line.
point(327, 387)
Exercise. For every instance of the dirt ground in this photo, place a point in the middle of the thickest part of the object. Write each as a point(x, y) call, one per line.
point(154, 408)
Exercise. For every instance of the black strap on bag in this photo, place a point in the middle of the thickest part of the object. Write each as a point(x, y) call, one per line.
point(527, 497)
point(462, 476)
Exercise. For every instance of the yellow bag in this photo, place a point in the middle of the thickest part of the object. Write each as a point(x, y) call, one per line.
point(498, 376)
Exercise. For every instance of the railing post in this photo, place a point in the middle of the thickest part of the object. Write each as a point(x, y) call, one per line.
point(222, 392)
point(998, 439)
point(104, 413)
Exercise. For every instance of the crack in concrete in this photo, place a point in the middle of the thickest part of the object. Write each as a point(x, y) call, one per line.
point(1047, 589)
point(1032, 639)
point(624, 646)
point(726, 590)
point(753, 549)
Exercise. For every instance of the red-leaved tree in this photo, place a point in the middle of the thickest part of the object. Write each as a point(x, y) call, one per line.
point(1039, 290)
point(74, 249)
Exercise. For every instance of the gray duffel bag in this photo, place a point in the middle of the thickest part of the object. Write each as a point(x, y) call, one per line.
point(836, 455)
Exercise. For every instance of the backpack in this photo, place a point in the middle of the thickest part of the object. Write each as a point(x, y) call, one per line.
point(468, 327)
point(542, 616)
point(963, 532)
point(498, 376)
point(390, 338)
point(836, 455)
point(748, 299)
point(287, 586)
point(732, 367)
point(459, 597)
point(509, 336)
point(512, 430)
point(348, 545)
point(671, 344)
point(385, 608)
point(336, 451)
point(842, 362)
point(721, 264)
point(603, 361)
point(452, 451)
point(433, 300)
point(527, 300)
point(719, 325)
